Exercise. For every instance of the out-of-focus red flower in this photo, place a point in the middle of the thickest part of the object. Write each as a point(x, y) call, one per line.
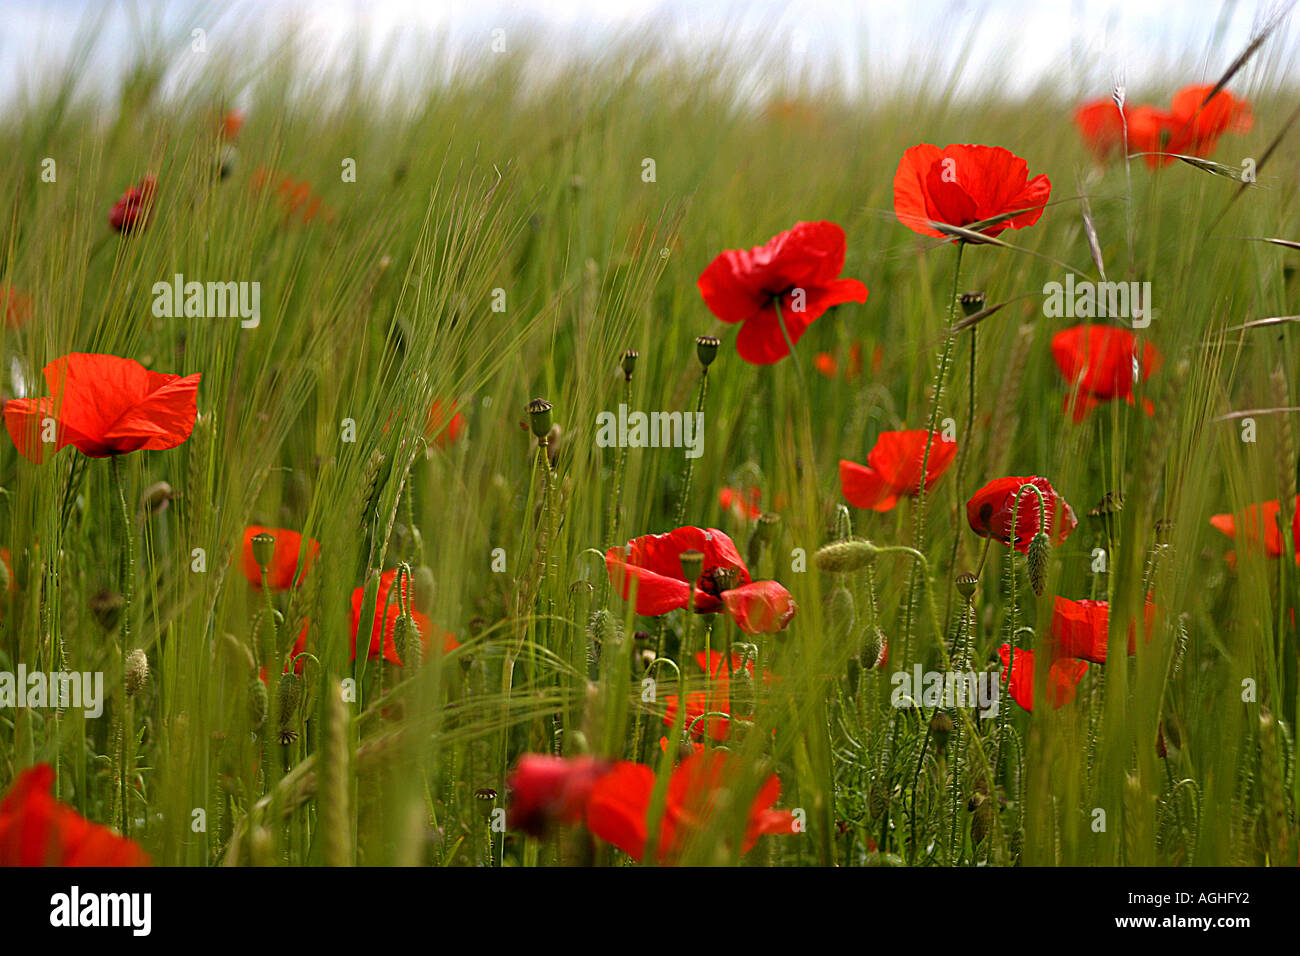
point(545, 790)
point(828, 365)
point(295, 196)
point(16, 306)
point(1102, 126)
point(1260, 521)
point(284, 562)
point(387, 619)
point(299, 646)
point(1081, 628)
point(1191, 127)
point(37, 830)
point(620, 802)
point(231, 123)
point(741, 505)
point(104, 405)
point(1100, 363)
point(989, 512)
point(717, 699)
point(652, 565)
point(799, 269)
point(133, 210)
point(893, 468)
point(961, 185)
point(444, 424)
point(1062, 677)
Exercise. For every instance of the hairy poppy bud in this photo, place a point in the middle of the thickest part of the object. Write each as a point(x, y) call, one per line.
point(972, 302)
point(137, 672)
point(263, 549)
point(258, 701)
point(539, 417)
point(871, 646)
point(941, 728)
point(406, 639)
point(877, 799)
point(106, 606)
point(981, 822)
point(288, 694)
point(844, 556)
point(1040, 550)
point(840, 613)
point(706, 348)
point(966, 583)
point(628, 362)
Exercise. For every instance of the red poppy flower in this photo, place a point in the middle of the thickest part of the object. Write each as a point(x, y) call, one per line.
point(133, 210)
point(1102, 126)
point(990, 509)
point(1081, 628)
point(16, 306)
point(1261, 523)
point(620, 802)
point(284, 562)
point(652, 565)
point(1062, 677)
point(296, 197)
point(741, 505)
point(893, 468)
point(799, 269)
point(231, 124)
point(962, 185)
point(104, 405)
point(389, 618)
point(444, 425)
point(828, 365)
point(1100, 363)
point(37, 830)
point(545, 790)
point(1200, 126)
point(299, 646)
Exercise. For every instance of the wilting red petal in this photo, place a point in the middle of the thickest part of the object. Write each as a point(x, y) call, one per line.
point(284, 561)
point(964, 184)
point(760, 607)
point(799, 268)
point(989, 512)
point(1062, 677)
point(37, 830)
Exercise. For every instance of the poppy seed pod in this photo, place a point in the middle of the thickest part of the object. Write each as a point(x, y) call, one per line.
point(768, 526)
point(706, 348)
point(966, 583)
point(137, 672)
point(972, 302)
point(628, 363)
point(840, 557)
point(941, 728)
point(692, 564)
point(1040, 551)
point(485, 799)
point(263, 549)
point(539, 417)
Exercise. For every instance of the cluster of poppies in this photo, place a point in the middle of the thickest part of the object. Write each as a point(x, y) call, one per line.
point(615, 798)
point(1192, 125)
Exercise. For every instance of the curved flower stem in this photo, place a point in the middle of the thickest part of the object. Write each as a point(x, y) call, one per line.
point(1012, 630)
point(944, 360)
point(127, 570)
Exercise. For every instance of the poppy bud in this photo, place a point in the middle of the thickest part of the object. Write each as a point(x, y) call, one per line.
point(768, 525)
point(840, 613)
point(106, 606)
point(257, 703)
point(539, 417)
point(843, 556)
point(981, 822)
point(872, 646)
point(137, 672)
point(972, 302)
point(628, 363)
point(941, 727)
point(877, 799)
point(288, 694)
point(1040, 550)
point(406, 640)
point(706, 348)
point(966, 583)
point(156, 497)
point(263, 549)
point(692, 564)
